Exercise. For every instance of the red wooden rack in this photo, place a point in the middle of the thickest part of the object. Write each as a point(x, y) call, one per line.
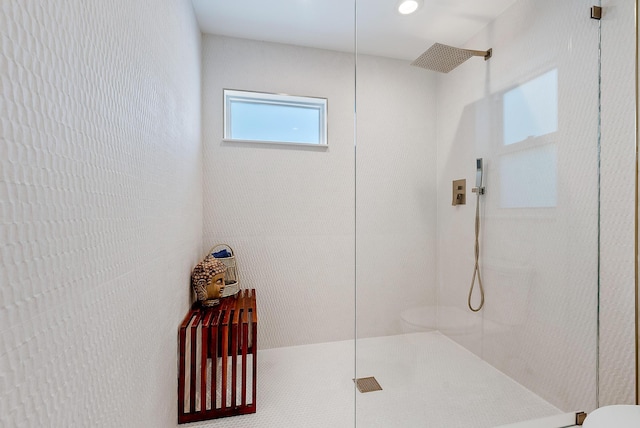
point(218, 364)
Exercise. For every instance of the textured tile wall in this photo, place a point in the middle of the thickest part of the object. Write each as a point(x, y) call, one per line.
point(100, 208)
point(288, 212)
point(617, 281)
point(395, 195)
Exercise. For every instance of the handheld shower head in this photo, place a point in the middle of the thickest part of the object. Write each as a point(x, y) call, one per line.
point(479, 189)
point(479, 171)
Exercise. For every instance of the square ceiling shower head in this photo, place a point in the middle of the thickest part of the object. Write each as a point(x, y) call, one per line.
point(367, 384)
point(444, 58)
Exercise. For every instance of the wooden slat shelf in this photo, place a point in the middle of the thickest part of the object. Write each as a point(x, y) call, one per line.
point(217, 365)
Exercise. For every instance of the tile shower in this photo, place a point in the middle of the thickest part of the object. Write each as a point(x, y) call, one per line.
point(106, 202)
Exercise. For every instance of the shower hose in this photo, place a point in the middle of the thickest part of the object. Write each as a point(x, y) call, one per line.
point(476, 268)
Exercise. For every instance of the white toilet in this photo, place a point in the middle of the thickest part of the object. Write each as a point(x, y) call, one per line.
point(419, 319)
point(617, 416)
point(446, 319)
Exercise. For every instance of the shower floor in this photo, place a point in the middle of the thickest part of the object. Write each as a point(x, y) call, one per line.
point(428, 380)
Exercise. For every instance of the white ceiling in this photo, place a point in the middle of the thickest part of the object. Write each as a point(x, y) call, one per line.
point(330, 24)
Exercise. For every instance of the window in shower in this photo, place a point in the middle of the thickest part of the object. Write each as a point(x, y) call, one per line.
point(531, 109)
point(528, 161)
point(528, 177)
point(274, 118)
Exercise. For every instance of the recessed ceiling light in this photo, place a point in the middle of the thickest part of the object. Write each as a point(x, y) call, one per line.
point(405, 7)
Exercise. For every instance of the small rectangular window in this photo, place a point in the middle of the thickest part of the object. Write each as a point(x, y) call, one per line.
point(274, 118)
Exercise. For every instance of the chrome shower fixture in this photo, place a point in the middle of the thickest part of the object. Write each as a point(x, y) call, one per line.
point(444, 58)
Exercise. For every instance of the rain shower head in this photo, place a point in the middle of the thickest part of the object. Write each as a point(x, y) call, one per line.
point(444, 58)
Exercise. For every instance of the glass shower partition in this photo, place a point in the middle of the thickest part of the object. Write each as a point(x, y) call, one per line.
point(531, 113)
point(286, 205)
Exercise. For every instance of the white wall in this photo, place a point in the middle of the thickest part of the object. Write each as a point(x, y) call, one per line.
point(617, 277)
point(395, 194)
point(286, 211)
point(100, 208)
point(289, 211)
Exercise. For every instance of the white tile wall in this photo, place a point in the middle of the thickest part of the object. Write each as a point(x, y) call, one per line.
point(100, 208)
point(617, 296)
point(395, 194)
point(289, 212)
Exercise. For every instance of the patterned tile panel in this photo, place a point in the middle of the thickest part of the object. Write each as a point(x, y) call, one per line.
point(100, 208)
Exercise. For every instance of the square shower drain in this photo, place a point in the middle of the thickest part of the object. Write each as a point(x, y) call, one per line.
point(367, 384)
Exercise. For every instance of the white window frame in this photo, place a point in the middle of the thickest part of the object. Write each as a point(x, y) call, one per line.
point(320, 104)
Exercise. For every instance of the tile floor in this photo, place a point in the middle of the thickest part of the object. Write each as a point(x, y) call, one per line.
point(428, 381)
